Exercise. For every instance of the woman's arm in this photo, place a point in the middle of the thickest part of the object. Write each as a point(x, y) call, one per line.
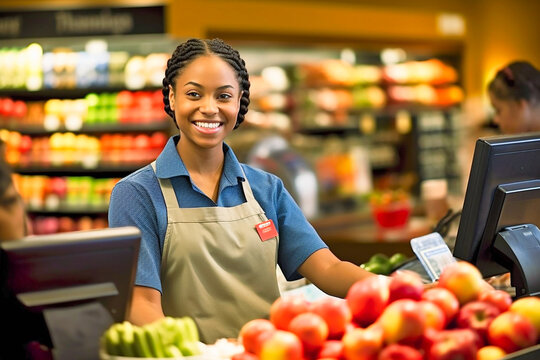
point(330, 274)
point(145, 306)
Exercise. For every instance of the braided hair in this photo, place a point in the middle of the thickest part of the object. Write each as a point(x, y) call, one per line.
point(188, 51)
point(518, 80)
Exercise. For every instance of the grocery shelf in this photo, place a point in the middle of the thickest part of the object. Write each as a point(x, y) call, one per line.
point(63, 93)
point(113, 170)
point(69, 210)
point(36, 130)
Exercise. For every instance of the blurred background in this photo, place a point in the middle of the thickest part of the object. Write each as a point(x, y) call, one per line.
point(368, 110)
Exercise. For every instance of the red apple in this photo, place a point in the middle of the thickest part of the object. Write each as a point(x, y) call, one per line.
point(282, 345)
point(477, 315)
point(368, 298)
point(512, 331)
point(451, 344)
point(435, 317)
point(253, 333)
point(19, 109)
point(490, 352)
point(335, 312)
point(500, 298)
point(158, 140)
point(331, 349)
point(403, 321)
point(285, 308)
point(362, 344)
point(444, 299)
point(125, 99)
point(141, 142)
point(25, 144)
point(399, 352)
point(463, 279)
point(530, 308)
point(405, 284)
point(311, 329)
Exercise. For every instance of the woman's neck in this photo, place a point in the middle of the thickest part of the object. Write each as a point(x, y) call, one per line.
point(204, 167)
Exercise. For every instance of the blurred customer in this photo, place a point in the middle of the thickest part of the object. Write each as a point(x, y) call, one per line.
point(12, 214)
point(515, 95)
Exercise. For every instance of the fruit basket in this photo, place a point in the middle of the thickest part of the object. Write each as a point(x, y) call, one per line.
point(167, 338)
point(222, 349)
point(391, 209)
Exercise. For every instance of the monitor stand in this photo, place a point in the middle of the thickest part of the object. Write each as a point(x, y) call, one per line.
point(518, 249)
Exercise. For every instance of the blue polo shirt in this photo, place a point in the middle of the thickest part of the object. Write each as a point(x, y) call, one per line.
point(137, 200)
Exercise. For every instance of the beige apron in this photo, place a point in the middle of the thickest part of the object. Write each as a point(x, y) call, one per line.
point(214, 266)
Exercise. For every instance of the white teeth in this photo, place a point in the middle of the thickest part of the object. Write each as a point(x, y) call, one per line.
point(207, 124)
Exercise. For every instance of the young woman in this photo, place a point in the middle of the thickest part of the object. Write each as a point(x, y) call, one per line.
point(214, 229)
point(515, 95)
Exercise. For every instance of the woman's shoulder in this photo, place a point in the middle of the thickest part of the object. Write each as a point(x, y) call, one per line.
point(143, 178)
point(258, 175)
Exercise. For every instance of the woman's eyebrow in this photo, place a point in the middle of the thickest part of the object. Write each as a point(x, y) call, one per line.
point(200, 86)
point(8, 199)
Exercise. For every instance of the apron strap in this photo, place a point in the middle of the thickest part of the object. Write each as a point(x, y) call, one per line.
point(170, 196)
point(247, 188)
point(167, 189)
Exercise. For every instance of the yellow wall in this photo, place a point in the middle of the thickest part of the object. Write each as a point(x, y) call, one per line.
point(497, 31)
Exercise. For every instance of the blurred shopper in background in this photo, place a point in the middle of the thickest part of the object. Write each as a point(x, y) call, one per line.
point(12, 213)
point(213, 229)
point(515, 95)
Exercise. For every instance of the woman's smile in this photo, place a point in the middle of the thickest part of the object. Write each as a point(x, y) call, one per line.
point(208, 127)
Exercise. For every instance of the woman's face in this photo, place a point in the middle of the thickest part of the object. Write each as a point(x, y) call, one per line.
point(206, 101)
point(510, 115)
point(12, 216)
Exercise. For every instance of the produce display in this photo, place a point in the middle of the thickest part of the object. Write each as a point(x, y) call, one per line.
point(166, 338)
point(461, 317)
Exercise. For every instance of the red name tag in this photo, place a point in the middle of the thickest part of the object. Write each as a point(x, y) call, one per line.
point(266, 230)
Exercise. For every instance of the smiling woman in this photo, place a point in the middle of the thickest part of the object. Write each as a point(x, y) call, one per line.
point(214, 230)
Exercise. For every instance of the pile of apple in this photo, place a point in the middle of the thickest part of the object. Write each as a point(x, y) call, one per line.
point(461, 317)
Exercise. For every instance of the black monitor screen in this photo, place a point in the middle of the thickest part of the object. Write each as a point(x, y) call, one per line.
point(498, 160)
point(65, 270)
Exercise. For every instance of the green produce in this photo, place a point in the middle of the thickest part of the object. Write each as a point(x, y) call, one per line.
point(397, 259)
point(168, 337)
point(381, 264)
point(382, 268)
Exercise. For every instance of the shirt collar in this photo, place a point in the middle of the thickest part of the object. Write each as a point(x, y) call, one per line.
point(169, 164)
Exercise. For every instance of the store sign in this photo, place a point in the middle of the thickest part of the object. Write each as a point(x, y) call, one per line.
point(82, 22)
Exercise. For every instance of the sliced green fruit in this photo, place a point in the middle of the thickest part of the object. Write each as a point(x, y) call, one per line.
point(141, 346)
point(111, 341)
point(173, 351)
point(153, 340)
point(126, 338)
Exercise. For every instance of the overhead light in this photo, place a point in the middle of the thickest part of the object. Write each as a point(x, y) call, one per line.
point(348, 56)
point(393, 56)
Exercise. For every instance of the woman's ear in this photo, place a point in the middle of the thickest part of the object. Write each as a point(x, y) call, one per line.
point(171, 98)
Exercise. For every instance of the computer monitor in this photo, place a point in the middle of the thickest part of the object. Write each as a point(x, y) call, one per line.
point(65, 271)
point(502, 202)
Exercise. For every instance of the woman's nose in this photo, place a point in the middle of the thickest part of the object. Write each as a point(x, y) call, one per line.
point(209, 106)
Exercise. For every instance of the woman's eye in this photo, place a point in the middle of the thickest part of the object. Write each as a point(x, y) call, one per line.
point(225, 96)
point(193, 94)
